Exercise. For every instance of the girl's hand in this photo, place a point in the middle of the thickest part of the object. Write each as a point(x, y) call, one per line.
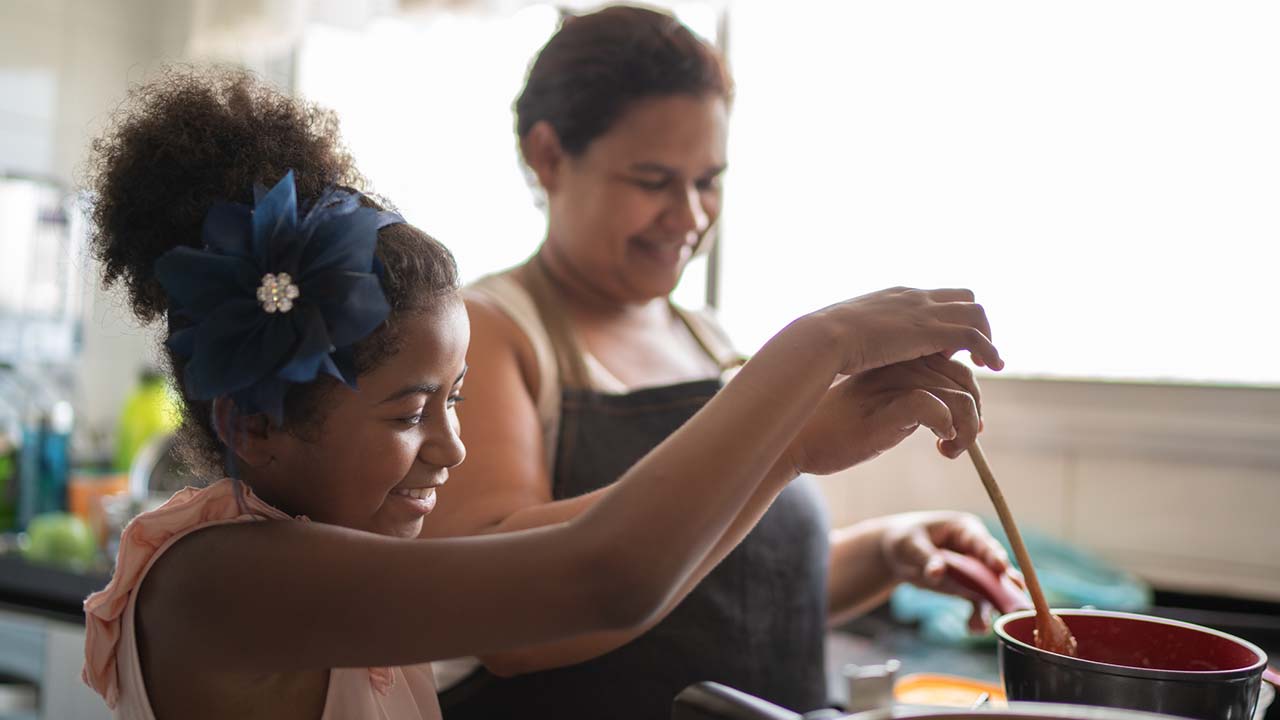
point(910, 545)
point(867, 414)
point(899, 324)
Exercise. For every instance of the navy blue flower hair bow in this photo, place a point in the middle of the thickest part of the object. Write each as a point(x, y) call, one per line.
point(272, 300)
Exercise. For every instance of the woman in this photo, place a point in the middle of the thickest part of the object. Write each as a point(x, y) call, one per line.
point(580, 365)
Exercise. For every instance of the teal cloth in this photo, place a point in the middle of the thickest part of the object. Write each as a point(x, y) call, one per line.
point(1069, 576)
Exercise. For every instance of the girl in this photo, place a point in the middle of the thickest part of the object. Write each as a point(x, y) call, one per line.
point(321, 346)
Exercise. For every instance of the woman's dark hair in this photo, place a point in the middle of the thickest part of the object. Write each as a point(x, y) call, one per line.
point(195, 137)
point(595, 65)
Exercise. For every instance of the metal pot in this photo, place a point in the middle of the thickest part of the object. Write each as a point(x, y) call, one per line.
point(1125, 660)
point(1014, 711)
point(1134, 661)
point(713, 701)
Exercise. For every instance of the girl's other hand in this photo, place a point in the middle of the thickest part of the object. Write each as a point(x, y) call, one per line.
point(864, 415)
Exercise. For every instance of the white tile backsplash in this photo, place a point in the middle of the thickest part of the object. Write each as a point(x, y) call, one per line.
point(1180, 485)
point(1180, 509)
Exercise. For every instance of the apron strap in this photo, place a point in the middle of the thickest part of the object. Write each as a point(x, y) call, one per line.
point(505, 292)
point(527, 295)
point(704, 328)
point(571, 366)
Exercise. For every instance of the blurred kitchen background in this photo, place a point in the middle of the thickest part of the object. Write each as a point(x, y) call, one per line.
point(1105, 173)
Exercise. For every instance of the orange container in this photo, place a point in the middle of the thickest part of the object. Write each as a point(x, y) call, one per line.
point(85, 492)
point(945, 690)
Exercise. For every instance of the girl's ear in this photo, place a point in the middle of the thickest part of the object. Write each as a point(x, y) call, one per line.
point(248, 436)
point(543, 153)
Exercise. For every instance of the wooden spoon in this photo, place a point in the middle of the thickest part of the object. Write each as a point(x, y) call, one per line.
point(1051, 632)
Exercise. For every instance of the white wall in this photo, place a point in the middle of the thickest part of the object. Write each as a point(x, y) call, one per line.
point(64, 65)
point(1180, 485)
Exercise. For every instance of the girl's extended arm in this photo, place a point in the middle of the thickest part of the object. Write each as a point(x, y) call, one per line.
point(279, 596)
point(858, 419)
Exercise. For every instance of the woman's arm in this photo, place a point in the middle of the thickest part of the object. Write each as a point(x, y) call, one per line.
point(869, 559)
point(859, 577)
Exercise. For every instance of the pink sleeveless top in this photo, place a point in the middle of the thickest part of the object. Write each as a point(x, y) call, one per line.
point(111, 664)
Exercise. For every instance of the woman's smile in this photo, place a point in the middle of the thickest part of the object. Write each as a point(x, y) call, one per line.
point(667, 253)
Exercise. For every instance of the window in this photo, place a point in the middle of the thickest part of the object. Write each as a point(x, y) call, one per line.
point(1104, 173)
point(426, 111)
point(425, 103)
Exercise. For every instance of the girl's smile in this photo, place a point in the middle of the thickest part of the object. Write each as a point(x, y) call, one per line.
point(384, 448)
point(421, 500)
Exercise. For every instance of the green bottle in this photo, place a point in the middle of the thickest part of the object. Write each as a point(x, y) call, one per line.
point(8, 485)
point(150, 410)
point(10, 439)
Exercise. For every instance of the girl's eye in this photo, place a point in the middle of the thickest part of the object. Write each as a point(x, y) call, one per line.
point(709, 184)
point(418, 417)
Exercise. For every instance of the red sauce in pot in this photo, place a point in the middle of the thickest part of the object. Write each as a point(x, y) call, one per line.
point(1151, 644)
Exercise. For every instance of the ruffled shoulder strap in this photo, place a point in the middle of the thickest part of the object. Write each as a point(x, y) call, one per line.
point(143, 541)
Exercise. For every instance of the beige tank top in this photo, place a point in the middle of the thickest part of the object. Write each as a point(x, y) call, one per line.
point(561, 362)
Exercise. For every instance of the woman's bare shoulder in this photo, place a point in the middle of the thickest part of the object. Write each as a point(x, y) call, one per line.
point(495, 331)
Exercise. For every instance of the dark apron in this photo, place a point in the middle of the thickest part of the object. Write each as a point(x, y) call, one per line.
point(756, 622)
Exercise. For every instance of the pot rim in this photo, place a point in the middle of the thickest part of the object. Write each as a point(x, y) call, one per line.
point(1015, 710)
point(1252, 670)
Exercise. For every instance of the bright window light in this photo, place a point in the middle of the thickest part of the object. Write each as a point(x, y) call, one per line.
point(1104, 173)
point(427, 113)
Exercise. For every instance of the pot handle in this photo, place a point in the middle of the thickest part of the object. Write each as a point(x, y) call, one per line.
point(976, 577)
point(1271, 675)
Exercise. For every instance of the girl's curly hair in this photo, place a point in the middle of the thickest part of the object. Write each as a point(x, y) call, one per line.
point(194, 137)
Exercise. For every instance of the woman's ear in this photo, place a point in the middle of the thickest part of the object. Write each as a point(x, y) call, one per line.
point(543, 153)
point(248, 436)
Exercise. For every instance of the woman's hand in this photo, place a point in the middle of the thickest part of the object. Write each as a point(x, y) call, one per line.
point(864, 415)
point(911, 543)
point(900, 324)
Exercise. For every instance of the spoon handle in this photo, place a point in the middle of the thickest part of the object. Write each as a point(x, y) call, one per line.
point(1010, 528)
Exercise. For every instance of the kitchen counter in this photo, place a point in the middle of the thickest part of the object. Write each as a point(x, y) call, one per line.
point(876, 637)
point(42, 638)
point(46, 591)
